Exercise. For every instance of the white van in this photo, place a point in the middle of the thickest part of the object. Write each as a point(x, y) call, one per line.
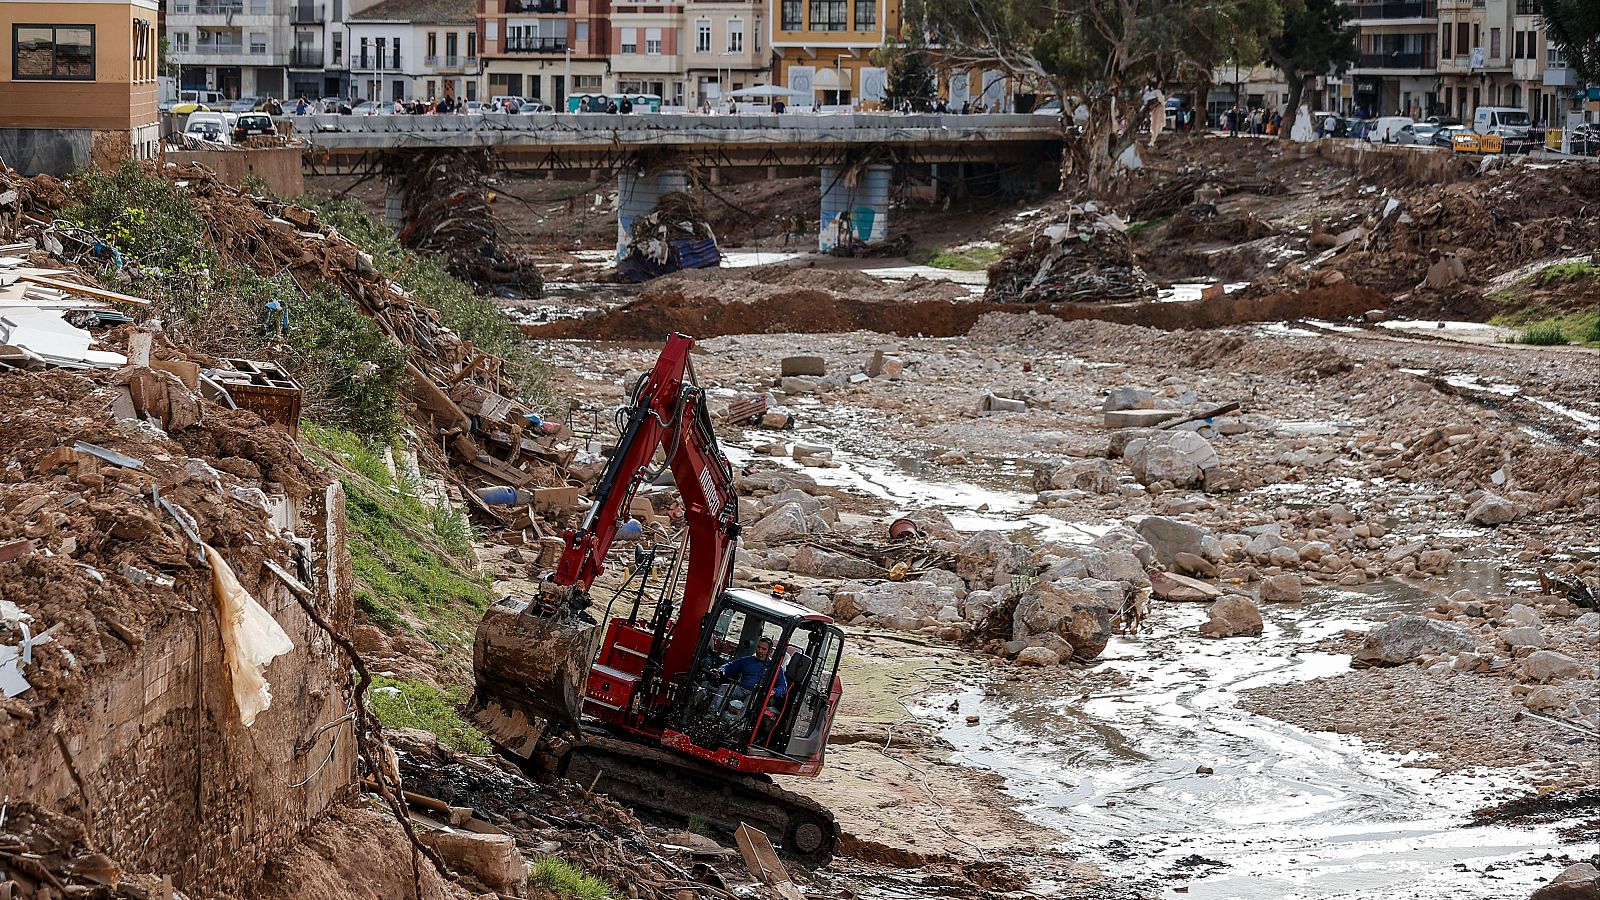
point(1384, 128)
point(1506, 121)
point(216, 127)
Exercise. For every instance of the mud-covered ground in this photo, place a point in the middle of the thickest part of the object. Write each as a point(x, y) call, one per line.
point(1341, 427)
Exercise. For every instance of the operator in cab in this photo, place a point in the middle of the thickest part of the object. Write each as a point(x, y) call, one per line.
point(750, 671)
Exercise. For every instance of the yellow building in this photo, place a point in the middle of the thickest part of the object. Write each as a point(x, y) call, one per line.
point(78, 84)
point(824, 48)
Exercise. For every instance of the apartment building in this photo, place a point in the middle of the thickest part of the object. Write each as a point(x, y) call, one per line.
point(824, 48)
point(544, 49)
point(238, 47)
point(1492, 53)
point(1396, 69)
point(319, 61)
point(414, 50)
point(79, 86)
point(726, 48)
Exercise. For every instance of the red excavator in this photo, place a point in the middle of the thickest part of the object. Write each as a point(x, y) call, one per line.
point(688, 703)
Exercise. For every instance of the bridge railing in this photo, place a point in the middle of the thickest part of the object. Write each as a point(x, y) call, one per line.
point(596, 124)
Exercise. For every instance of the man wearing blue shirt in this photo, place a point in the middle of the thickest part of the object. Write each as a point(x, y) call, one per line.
point(750, 671)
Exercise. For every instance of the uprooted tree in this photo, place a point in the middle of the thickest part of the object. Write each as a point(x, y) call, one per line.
point(1313, 38)
point(1574, 27)
point(1100, 57)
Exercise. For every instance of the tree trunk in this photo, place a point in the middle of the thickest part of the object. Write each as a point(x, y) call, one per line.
point(1097, 135)
point(1201, 112)
point(1297, 89)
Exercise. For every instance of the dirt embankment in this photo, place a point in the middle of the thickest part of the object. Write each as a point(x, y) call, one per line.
point(805, 301)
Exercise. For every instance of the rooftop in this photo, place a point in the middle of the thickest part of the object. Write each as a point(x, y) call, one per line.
point(429, 11)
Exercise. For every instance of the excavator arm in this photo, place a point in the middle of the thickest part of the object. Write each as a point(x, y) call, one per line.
point(531, 657)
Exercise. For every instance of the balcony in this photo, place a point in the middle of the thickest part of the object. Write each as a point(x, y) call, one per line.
point(1410, 61)
point(376, 62)
point(450, 62)
point(544, 7)
point(535, 45)
point(305, 58)
point(1391, 10)
point(308, 13)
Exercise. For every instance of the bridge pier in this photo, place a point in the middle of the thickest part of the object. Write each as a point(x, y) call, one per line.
point(637, 195)
point(854, 213)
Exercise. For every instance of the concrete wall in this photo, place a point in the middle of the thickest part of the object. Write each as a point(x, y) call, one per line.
point(279, 166)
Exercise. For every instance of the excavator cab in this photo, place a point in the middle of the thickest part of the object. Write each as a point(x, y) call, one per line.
point(778, 708)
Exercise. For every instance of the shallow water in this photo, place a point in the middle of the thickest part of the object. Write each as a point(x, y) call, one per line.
point(1287, 812)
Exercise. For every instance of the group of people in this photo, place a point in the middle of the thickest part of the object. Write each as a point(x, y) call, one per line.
point(1257, 121)
point(605, 105)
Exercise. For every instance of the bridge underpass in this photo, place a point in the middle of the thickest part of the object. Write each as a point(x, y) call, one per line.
point(856, 155)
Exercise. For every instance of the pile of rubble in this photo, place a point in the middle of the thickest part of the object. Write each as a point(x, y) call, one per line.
point(673, 236)
point(449, 211)
point(1084, 256)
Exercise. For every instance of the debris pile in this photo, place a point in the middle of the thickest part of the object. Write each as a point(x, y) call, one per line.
point(45, 854)
point(674, 236)
point(1083, 257)
point(449, 211)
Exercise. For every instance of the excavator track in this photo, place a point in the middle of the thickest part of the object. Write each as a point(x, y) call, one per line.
point(673, 785)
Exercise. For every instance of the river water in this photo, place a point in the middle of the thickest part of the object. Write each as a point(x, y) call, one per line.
point(1284, 813)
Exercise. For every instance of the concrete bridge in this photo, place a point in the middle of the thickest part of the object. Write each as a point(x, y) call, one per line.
point(553, 142)
point(856, 155)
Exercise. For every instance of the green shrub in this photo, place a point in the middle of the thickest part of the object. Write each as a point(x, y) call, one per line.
point(568, 881)
point(415, 704)
point(1544, 334)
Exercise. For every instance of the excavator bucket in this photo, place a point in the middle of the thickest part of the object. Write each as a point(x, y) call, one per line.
point(531, 668)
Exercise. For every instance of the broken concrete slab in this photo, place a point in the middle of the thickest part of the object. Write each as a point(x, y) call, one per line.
point(802, 365)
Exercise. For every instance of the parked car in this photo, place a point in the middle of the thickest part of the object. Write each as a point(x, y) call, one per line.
point(1418, 134)
point(1511, 123)
point(208, 126)
point(1445, 135)
point(253, 124)
point(535, 106)
point(188, 101)
point(1442, 121)
point(372, 108)
point(246, 104)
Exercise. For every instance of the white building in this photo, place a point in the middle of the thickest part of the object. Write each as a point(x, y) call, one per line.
point(238, 47)
point(414, 50)
point(726, 48)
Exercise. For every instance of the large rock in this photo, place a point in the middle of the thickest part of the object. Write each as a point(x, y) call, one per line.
point(1079, 610)
point(895, 604)
point(1169, 537)
point(1577, 882)
point(1543, 665)
point(1523, 636)
point(1180, 458)
point(1402, 640)
point(1128, 397)
point(1120, 537)
point(491, 858)
point(1232, 616)
point(787, 521)
point(1281, 589)
point(807, 503)
point(989, 558)
point(1093, 475)
point(1491, 510)
point(809, 560)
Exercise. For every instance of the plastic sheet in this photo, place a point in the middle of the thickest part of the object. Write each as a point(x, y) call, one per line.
point(251, 639)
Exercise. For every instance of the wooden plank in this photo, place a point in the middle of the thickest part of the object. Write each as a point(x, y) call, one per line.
point(1211, 413)
point(762, 861)
point(84, 290)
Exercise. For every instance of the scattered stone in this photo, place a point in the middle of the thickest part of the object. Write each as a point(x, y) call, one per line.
point(1404, 639)
point(989, 558)
point(1191, 564)
point(1523, 636)
point(1491, 510)
point(1180, 588)
point(1169, 537)
point(1093, 475)
point(1543, 698)
point(1543, 665)
point(1522, 614)
point(1079, 610)
point(1232, 616)
point(1204, 770)
point(1038, 656)
point(1281, 589)
point(1590, 620)
point(787, 521)
point(1179, 458)
point(1127, 397)
point(1577, 882)
point(802, 365)
point(491, 858)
